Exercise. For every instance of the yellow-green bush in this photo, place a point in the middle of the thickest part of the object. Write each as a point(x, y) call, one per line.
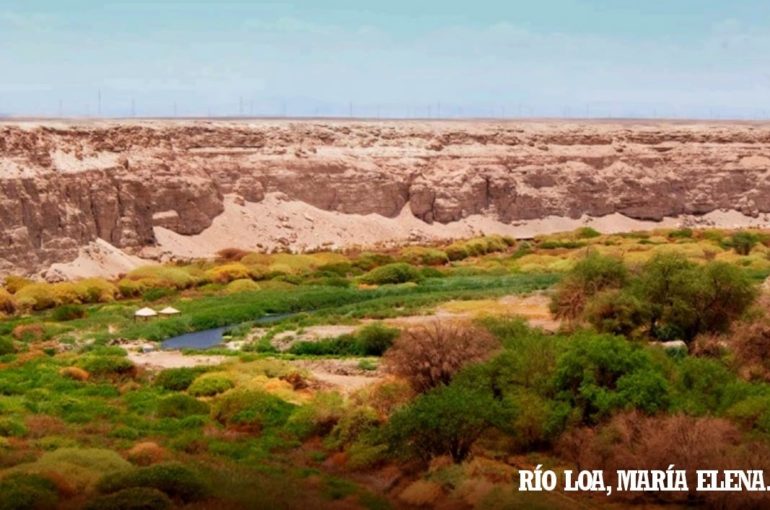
point(457, 251)
point(280, 268)
point(36, 296)
point(208, 385)
point(65, 293)
point(242, 285)
point(317, 417)
point(424, 256)
point(227, 273)
point(80, 468)
point(166, 276)
point(297, 263)
point(14, 283)
point(258, 271)
point(95, 290)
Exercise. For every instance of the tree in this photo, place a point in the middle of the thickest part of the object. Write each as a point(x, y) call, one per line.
point(683, 299)
point(597, 374)
point(590, 276)
point(445, 421)
point(616, 311)
point(430, 355)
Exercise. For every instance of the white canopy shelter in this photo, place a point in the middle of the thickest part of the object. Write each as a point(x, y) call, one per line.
point(169, 310)
point(145, 313)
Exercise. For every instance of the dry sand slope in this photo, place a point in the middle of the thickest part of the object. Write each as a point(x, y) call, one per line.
point(90, 196)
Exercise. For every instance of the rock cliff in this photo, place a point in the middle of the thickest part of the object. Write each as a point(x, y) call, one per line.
point(63, 185)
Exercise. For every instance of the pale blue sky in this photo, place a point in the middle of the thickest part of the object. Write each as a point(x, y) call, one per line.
point(675, 58)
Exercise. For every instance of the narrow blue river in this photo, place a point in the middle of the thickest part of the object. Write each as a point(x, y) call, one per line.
point(211, 337)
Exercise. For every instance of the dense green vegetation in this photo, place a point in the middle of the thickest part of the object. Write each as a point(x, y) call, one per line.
point(455, 404)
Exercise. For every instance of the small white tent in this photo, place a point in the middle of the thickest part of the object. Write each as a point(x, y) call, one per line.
point(169, 310)
point(145, 313)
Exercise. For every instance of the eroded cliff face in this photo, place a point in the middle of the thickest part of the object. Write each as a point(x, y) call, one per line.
point(63, 185)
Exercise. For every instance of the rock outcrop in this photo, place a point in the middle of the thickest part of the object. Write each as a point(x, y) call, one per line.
point(63, 185)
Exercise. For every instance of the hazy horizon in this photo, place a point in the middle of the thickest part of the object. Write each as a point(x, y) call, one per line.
point(553, 59)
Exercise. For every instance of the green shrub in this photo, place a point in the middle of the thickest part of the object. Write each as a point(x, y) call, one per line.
point(430, 272)
point(752, 413)
point(181, 406)
point(616, 312)
point(587, 233)
point(524, 248)
point(24, 491)
point(242, 285)
point(398, 272)
point(107, 366)
point(445, 421)
point(368, 261)
point(537, 420)
point(590, 275)
point(457, 251)
point(425, 256)
point(208, 385)
point(317, 417)
point(80, 468)
point(345, 345)
point(6, 346)
point(743, 242)
point(135, 498)
point(253, 410)
point(376, 338)
point(682, 233)
point(157, 293)
point(337, 268)
point(172, 478)
point(68, 313)
point(555, 245)
point(354, 423)
point(178, 379)
point(12, 427)
point(597, 374)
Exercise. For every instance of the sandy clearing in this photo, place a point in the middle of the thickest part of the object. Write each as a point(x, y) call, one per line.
point(157, 360)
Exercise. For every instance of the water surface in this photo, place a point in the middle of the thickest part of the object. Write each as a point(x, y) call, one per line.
point(212, 337)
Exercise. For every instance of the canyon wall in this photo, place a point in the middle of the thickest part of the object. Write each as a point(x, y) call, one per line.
point(65, 184)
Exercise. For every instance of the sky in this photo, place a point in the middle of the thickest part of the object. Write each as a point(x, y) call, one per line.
point(387, 58)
